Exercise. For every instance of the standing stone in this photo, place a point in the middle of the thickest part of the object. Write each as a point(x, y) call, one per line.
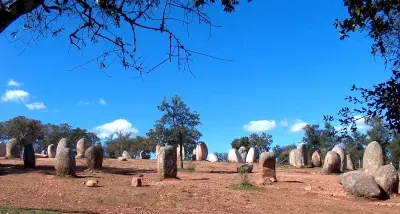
point(251, 155)
point(340, 150)
point(51, 151)
point(65, 162)
point(12, 149)
point(94, 157)
point(302, 147)
point(178, 154)
point(29, 156)
point(201, 151)
point(331, 163)
point(243, 153)
point(360, 184)
point(316, 159)
point(267, 164)
point(292, 157)
point(126, 155)
point(373, 157)
point(296, 158)
point(63, 143)
point(3, 149)
point(388, 179)
point(166, 162)
point(349, 163)
point(80, 148)
point(159, 145)
point(212, 157)
point(234, 156)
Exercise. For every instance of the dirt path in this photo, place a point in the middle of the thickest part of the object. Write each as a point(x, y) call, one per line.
point(203, 191)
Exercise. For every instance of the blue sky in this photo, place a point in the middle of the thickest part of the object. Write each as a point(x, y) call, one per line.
point(289, 69)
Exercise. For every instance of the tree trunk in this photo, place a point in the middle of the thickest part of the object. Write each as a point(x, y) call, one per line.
point(17, 9)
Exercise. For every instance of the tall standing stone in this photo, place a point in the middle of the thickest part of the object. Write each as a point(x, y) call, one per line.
point(63, 143)
point(94, 157)
point(296, 158)
point(234, 156)
point(331, 163)
point(159, 145)
point(303, 159)
point(316, 159)
point(243, 152)
point(251, 155)
point(178, 154)
point(340, 150)
point(51, 151)
point(65, 162)
point(12, 149)
point(349, 163)
point(201, 151)
point(80, 148)
point(65, 158)
point(373, 157)
point(29, 156)
point(267, 165)
point(166, 162)
point(3, 149)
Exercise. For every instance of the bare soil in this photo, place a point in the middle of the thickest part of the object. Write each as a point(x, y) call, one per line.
point(207, 189)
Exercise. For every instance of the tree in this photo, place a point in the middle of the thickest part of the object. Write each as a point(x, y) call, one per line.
point(312, 137)
point(24, 130)
point(261, 142)
point(395, 151)
point(112, 23)
point(178, 125)
point(282, 152)
point(381, 19)
point(355, 146)
point(379, 133)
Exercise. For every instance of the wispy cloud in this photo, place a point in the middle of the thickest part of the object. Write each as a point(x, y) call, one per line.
point(122, 125)
point(298, 125)
point(13, 83)
point(259, 125)
point(102, 102)
point(284, 122)
point(36, 106)
point(15, 96)
point(83, 103)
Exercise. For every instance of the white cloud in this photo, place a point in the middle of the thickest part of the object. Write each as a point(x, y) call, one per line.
point(123, 125)
point(102, 102)
point(259, 125)
point(15, 96)
point(36, 106)
point(284, 122)
point(298, 125)
point(13, 83)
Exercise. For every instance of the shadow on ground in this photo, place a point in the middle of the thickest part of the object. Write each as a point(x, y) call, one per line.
point(9, 169)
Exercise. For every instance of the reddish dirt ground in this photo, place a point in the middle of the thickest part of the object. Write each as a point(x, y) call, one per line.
point(203, 191)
